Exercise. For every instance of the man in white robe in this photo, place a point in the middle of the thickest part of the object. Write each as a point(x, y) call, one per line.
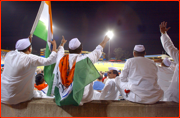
point(138, 79)
point(110, 91)
point(172, 92)
point(75, 48)
point(165, 74)
point(17, 79)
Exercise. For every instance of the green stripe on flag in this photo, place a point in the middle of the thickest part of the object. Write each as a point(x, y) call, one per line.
point(85, 73)
point(41, 30)
point(48, 72)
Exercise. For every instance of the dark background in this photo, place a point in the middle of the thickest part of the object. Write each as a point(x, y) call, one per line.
point(132, 22)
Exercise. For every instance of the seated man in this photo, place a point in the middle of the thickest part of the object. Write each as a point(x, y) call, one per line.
point(98, 85)
point(138, 80)
point(40, 83)
point(105, 76)
point(74, 73)
point(110, 91)
point(18, 76)
point(165, 74)
point(41, 87)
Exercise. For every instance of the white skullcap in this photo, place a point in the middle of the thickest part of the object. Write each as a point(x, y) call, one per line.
point(74, 44)
point(113, 68)
point(22, 44)
point(167, 62)
point(139, 48)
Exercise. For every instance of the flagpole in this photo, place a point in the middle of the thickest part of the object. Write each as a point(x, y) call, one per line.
point(37, 17)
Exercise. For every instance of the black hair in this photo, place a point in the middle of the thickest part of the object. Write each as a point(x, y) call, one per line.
point(77, 50)
point(140, 53)
point(100, 78)
point(25, 49)
point(115, 72)
point(39, 79)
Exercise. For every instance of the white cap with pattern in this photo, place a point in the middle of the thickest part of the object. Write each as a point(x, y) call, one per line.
point(139, 48)
point(74, 43)
point(22, 44)
point(166, 61)
point(112, 68)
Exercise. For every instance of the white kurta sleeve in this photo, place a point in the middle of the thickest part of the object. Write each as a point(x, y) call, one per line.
point(95, 54)
point(105, 90)
point(169, 47)
point(40, 61)
point(125, 72)
point(60, 53)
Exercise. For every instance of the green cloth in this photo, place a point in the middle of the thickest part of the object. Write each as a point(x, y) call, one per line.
point(85, 73)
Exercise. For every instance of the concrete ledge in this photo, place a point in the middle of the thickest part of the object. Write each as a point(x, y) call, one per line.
point(48, 108)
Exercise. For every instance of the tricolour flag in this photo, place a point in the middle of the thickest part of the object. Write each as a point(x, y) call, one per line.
point(43, 29)
point(85, 73)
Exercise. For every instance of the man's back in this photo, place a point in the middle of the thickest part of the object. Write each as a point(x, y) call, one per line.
point(140, 74)
point(17, 81)
point(15, 76)
point(164, 77)
point(73, 57)
point(98, 85)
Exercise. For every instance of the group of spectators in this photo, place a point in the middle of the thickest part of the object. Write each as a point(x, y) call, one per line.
point(141, 80)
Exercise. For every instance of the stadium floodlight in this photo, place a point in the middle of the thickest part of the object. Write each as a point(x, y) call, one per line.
point(110, 34)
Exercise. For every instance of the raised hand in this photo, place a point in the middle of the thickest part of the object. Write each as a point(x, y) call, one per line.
point(163, 28)
point(63, 41)
point(103, 43)
point(30, 37)
point(53, 42)
point(106, 38)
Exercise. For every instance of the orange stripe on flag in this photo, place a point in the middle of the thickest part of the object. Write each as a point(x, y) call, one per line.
point(50, 14)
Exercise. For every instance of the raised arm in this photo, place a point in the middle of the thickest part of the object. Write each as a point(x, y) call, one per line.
point(60, 53)
point(54, 45)
point(96, 54)
point(103, 43)
point(167, 43)
point(30, 38)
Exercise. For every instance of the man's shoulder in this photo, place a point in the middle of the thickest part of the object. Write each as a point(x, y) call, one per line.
point(139, 58)
point(110, 81)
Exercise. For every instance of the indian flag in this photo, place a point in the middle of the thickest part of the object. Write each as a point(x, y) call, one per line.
point(43, 29)
point(85, 73)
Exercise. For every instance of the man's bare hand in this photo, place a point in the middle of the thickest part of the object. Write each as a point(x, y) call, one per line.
point(63, 41)
point(163, 28)
point(54, 44)
point(30, 37)
point(103, 43)
point(106, 38)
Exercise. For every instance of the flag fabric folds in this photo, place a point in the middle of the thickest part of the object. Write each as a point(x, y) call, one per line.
point(43, 29)
point(85, 73)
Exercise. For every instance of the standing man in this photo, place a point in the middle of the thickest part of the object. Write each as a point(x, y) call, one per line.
point(110, 91)
point(17, 80)
point(138, 79)
point(172, 92)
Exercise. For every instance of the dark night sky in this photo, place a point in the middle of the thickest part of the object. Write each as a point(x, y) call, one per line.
point(132, 22)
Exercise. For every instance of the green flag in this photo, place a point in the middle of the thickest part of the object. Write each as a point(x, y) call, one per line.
point(85, 73)
point(43, 29)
